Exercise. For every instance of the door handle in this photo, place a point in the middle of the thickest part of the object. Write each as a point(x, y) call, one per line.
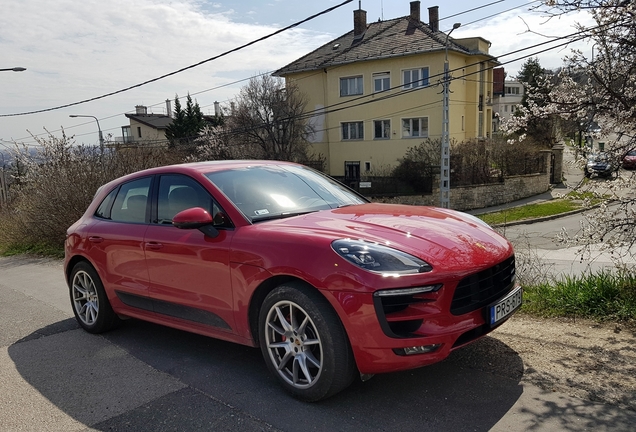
point(95, 239)
point(153, 245)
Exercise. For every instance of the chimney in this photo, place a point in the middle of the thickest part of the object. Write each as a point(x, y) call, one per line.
point(359, 22)
point(433, 18)
point(415, 11)
point(168, 108)
point(217, 109)
point(141, 110)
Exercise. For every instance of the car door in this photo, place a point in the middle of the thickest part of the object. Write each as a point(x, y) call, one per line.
point(116, 240)
point(189, 271)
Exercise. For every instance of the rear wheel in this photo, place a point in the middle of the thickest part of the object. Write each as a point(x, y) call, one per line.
point(90, 303)
point(304, 343)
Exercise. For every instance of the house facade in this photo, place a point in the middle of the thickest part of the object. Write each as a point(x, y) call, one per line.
point(505, 102)
point(150, 129)
point(376, 91)
point(145, 127)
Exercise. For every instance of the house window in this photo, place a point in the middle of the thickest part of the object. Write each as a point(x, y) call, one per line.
point(127, 134)
point(351, 86)
point(505, 108)
point(367, 166)
point(381, 82)
point(139, 131)
point(512, 90)
point(463, 123)
point(413, 78)
point(415, 127)
point(353, 131)
point(382, 129)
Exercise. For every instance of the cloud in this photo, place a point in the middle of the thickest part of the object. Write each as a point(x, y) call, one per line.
point(78, 50)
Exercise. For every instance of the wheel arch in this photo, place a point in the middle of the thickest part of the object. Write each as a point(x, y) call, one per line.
point(72, 263)
point(268, 286)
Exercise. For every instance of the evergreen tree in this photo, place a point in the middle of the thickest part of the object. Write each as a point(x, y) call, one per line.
point(186, 125)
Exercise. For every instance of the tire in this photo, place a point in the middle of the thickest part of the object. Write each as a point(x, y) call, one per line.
point(89, 301)
point(304, 343)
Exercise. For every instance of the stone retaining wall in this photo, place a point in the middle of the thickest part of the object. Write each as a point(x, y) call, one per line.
point(486, 195)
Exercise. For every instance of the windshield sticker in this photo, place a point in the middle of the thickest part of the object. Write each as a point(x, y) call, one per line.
point(261, 212)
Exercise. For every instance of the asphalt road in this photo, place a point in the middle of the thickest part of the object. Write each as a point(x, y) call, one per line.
point(143, 377)
point(539, 240)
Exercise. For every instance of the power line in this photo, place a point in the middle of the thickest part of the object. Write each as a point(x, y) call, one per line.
point(311, 114)
point(187, 67)
point(237, 81)
point(338, 106)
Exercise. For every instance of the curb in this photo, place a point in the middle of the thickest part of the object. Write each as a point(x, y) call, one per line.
point(544, 218)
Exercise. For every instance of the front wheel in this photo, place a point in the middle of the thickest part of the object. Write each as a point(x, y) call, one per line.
point(90, 304)
point(304, 343)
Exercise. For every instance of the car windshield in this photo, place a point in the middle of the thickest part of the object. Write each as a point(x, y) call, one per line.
point(598, 157)
point(631, 153)
point(265, 192)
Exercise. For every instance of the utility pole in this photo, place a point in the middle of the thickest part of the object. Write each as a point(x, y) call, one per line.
point(444, 180)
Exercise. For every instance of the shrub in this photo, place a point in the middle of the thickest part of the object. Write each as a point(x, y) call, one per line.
point(57, 182)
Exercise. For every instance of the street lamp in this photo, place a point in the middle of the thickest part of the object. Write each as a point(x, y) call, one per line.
point(15, 69)
point(101, 137)
point(444, 180)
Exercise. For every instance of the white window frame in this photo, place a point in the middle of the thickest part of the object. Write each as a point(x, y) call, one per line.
point(354, 86)
point(384, 78)
point(411, 82)
point(347, 127)
point(386, 129)
point(411, 121)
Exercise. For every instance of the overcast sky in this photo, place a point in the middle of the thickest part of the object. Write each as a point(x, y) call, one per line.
point(75, 50)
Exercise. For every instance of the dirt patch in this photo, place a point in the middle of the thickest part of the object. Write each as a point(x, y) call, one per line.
point(581, 358)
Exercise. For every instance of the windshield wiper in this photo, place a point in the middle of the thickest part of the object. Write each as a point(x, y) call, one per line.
point(281, 215)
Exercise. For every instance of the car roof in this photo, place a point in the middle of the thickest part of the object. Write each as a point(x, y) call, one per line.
point(198, 167)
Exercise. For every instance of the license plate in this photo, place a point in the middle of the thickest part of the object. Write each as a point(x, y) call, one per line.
point(506, 306)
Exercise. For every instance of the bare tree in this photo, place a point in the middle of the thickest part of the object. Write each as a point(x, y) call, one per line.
point(267, 121)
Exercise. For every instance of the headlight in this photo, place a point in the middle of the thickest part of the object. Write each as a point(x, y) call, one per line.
point(380, 259)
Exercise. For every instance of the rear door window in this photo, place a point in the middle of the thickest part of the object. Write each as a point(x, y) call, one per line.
point(131, 202)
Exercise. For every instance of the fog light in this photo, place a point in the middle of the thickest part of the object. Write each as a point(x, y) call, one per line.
point(422, 349)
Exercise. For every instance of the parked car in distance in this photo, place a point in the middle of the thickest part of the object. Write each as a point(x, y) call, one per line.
point(601, 164)
point(278, 256)
point(629, 160)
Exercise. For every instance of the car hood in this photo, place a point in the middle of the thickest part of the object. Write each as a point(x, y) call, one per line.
point(439, 236)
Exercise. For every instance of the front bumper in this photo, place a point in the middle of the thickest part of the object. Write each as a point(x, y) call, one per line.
point(429, 325)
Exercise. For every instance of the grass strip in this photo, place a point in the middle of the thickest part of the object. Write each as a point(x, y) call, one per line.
point(37, 249)
point(605, 296)
point(531, 211)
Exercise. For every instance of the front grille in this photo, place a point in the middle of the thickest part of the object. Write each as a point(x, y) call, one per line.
point(480, 289)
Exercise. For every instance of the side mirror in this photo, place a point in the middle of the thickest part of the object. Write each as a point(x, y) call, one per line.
point(195, 218)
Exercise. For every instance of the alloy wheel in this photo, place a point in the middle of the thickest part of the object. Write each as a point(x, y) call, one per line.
point(85, 298)
point(294, 344)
